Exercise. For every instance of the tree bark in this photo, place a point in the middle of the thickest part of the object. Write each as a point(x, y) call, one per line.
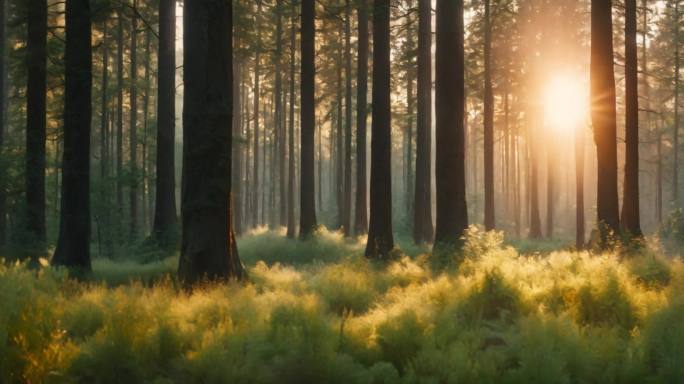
point(256, 188)
point(73, 245)
point(346, 217)
point(422, 213)
point(380, 237)
point(489, 216)
point(133, 228)
point(452, 213)
point(291, 224)
point(3, 196)
point(675, 127)
point(165, 228)
point(280, 126)
point(35, 125)
point(630, 198)
point(361, 208)
point(603, 115)
point(307, 220)
point(105, 220)
point(579, 188)
point(208, 248)
point(119, 121)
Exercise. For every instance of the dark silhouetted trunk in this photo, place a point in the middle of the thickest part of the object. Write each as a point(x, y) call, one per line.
point(291, 178)
point(675, 127)
point(630, 198)
point(307, 220)
point(3, 178)
point(380, 237)
point(133, 228)
point(489, 217)
point(579, 188)
point(165, 223)
point(119, 120)
point(256, 188)
point(361, 209)
point(36, 58)
point(603, 115)
point(73, 245)
point(208, 248)
point(452, 213)
point(422, 213)
point(146, 209)
point(237, 151)
point(279, 120)
point(346, 216)
point(339, 149)
point(105, 210)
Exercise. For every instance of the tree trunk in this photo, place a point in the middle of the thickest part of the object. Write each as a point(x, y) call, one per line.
point(146, 105)
point(73, 245)
point(380, 237)
point(165, 228)
point(489, 217)
point(208, 248)
point(603, 115)
point(237, 150)
point(119, 122)
point(291, 224)
point(675, 127)
point(307, 220)
point(35, 125)
point(361, 209)
point(533, 194)
point(630, 198)
point(346, 217)
point(579, 187)
point(339, 151)
point(280, 126)
point(551, 173)
point(105, 219)
point(422, 212)
point(452, 213)
point(3, 178)
point(256, 188)
point(133, 228)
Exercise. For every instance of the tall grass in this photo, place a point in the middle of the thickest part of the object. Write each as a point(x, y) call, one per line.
point(317, 312)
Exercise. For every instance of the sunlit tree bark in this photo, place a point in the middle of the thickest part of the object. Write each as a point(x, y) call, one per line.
point(361, 213)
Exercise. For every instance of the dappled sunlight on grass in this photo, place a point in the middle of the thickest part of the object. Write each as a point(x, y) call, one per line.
point(324, 313)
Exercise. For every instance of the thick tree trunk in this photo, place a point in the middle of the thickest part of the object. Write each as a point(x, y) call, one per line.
point(105, 219)
point(237, 150)
point(165, 225)
point(380, 237)
point(208, 248)
point(630, 198)
point(291, 178)
point(35, 125)
point(133, 228)
point(73, 245)
point(361, 208)
point(452, 213)
point(489, 217)
point(307, 220)
point(422, 214)
point(3, 196)
point(603, 114)
point(346, 216)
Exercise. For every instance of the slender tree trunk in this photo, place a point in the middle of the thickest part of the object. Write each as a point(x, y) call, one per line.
point(35, 125)
point(630, 199)
point(659, 178)
point(489, 219)
point(133, 229)
point(346, 217)
point(73, 245)
point(280, 126)
point(144, 162)
point(256, 189)
point(533, 193)
point(361, 208)
point(551, 180)
point(307, 220)
point(3, 196)
point(119, 122)
point(237, 150)
point(208, 248)
point(579, 187)
point(380, 237)
point(165, 224)
point(452, 212)
point(675, 127)
point(291, 224)
point(411, 108)
point(603, 114)
point(422, 214)
point(339, 141)
point(105, 219)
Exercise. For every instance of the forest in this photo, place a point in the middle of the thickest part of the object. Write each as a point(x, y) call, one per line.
point(341, 191)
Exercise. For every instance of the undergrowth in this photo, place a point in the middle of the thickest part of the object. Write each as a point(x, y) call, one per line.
point(318, 312)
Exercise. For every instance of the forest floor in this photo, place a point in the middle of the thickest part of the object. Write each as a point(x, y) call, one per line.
point(319, 312)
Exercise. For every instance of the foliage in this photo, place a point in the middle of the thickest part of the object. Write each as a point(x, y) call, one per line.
point(501, 317)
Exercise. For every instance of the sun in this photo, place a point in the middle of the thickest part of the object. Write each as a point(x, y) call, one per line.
point(565, 102)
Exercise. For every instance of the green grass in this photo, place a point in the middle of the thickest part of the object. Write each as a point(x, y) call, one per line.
point(317, 312)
